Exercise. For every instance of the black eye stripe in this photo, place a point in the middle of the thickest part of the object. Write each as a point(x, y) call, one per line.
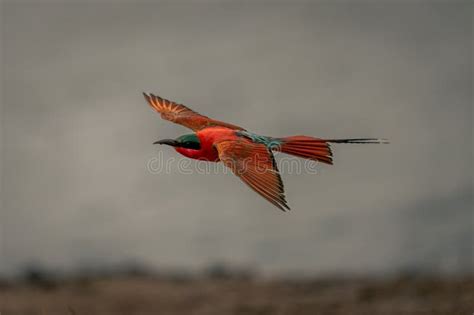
point(191, 145)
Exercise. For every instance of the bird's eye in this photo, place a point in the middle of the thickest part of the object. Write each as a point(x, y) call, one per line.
point(192, 145)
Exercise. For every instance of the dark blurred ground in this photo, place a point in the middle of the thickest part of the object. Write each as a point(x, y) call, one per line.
point(219, 292)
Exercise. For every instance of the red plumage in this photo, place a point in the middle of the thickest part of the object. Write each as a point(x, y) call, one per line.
point(307, 147)
point(248, 155)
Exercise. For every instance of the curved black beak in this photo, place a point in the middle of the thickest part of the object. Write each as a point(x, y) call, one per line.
point(170, 142)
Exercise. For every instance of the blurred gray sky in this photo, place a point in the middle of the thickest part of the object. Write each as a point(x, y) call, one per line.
point(77, 134)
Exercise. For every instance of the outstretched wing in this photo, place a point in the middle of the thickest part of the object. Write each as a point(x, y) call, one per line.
point(256, 167)
point(182, 115)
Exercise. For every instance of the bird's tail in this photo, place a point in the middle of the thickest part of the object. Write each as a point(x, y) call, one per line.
point(315, 148)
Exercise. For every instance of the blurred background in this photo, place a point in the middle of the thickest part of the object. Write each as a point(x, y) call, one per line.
point(78, 198)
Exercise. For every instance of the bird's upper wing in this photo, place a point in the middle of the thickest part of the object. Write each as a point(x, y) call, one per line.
point(182, 115)
point(255, 166)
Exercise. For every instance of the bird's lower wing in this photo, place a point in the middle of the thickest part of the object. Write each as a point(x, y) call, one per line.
point(256, 167)
point(183, 115)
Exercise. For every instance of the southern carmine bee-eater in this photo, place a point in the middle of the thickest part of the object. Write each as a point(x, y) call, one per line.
point(248, 155)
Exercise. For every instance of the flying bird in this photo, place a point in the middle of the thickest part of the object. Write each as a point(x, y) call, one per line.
point(247, 154)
